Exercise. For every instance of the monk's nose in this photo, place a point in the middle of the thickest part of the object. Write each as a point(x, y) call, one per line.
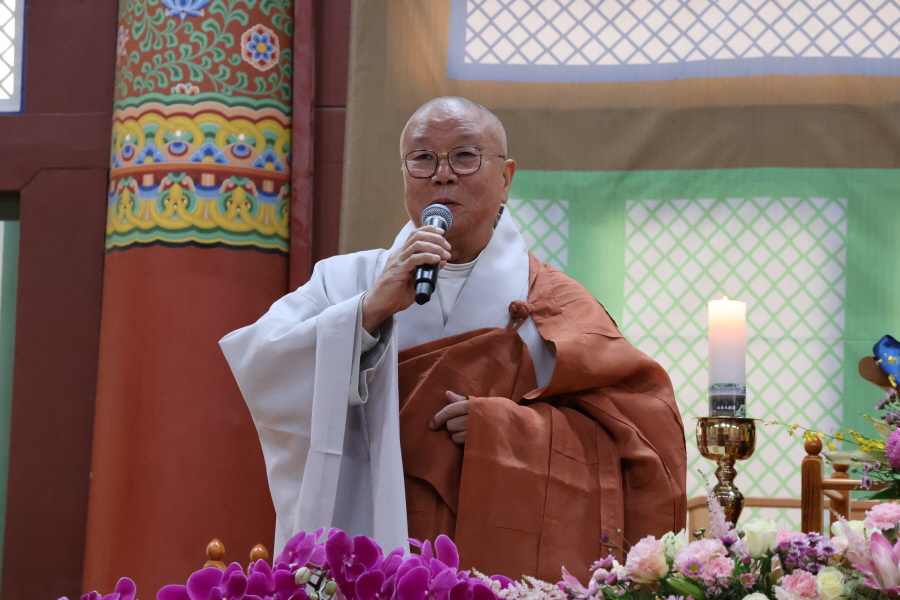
point(444, 174)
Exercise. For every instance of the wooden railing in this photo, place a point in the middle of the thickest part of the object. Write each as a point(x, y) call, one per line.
point(817, 494)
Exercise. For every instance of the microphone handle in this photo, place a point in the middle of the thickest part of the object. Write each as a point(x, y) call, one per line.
point(426, 275)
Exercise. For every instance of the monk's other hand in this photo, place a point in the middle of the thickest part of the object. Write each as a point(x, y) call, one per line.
point(395, 289)
point(455, 416)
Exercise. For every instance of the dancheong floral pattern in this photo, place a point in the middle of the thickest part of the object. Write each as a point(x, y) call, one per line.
point(201, 129)
point(219, 47)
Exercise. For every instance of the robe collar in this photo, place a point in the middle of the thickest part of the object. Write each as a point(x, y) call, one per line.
point(499, 277)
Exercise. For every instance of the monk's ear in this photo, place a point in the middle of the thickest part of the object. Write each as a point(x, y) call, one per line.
point(509, 169)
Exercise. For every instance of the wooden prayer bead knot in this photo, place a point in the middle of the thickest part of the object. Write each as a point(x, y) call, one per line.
point(519, 309)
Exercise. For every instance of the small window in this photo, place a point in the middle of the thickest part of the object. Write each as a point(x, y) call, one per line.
point(12, 54)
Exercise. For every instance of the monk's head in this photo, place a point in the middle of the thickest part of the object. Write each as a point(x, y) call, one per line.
point(472, 175)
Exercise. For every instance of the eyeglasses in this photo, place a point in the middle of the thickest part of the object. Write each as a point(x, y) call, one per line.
point(463, 160)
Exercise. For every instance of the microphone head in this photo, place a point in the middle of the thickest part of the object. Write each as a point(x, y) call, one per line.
point(438, 210)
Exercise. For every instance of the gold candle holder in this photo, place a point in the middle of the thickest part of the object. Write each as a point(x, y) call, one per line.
point(725, 440)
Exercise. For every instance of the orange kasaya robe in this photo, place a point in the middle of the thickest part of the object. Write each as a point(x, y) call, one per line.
point(544, 472)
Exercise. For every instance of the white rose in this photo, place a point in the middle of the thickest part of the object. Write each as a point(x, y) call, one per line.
point(761, 536)
point(830, 582)
point(755, 596)
point(838, 529)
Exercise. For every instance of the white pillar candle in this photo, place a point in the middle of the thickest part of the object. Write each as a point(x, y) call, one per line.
point(727, 357)
point(727, 341)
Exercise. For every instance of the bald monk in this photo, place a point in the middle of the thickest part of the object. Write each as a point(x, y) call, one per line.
point(508, 412)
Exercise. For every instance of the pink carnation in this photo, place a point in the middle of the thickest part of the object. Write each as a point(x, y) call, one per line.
point(892, 449)
point(719, 567)
point(700, 558)
point(646, 561)
point(798, 585)
point(883, 516)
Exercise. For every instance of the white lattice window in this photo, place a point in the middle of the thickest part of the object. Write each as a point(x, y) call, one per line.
point(634, 40)
point(11, 54)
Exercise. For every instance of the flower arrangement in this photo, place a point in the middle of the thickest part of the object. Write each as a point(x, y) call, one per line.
point(757, 562)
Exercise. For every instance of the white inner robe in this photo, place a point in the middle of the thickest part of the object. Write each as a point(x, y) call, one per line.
point(326, 405)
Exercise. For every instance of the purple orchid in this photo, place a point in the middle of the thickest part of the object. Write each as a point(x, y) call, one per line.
point(471, 589)
point(125, 590)
point(350, 558)
point(883, 570)
point(421, 583)
point(374, 585)
point(261, 579)
point(211, 582)
point(302, 549)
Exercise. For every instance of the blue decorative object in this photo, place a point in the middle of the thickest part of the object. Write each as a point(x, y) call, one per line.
point(185, 8)
point(887, 356)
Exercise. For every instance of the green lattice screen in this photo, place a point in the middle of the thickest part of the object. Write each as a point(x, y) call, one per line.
point(800, 246)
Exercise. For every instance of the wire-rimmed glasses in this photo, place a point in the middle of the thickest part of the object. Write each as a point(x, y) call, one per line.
point(463, 160)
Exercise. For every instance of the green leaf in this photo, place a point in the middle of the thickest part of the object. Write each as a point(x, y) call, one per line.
point(196, 73)
point(224, 73)
point(235, 59)
point(158, 17)
point(157, 42)
point(157, 60)
point(684, 587)
point(199, 38)
point(176, 73)
point(273, 78)
point(217, 6)
point(889, 493)
point(227, 40)
point(260, 83)
point(241, 80)
point(212, 26)
point(171, 40)
point(240, 16)
point(206, 63)
point(186, 50)
point(218, 54)
point(138, 30)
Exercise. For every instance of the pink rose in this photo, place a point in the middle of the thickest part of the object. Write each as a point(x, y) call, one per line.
point(646, 561)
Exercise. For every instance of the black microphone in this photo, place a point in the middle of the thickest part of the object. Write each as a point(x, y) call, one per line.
point(437, 215)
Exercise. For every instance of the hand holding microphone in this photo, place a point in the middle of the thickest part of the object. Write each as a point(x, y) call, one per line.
point(395, 288)
point(436, 215)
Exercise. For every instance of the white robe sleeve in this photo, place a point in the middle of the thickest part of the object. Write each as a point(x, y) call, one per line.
point(298, 368)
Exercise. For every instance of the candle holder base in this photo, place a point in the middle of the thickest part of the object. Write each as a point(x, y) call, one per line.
point(726, 440)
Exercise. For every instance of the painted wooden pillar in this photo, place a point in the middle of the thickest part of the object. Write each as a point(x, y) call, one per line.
point(197, 245)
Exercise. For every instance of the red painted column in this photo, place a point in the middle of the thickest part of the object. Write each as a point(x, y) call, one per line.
point(197, 245)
